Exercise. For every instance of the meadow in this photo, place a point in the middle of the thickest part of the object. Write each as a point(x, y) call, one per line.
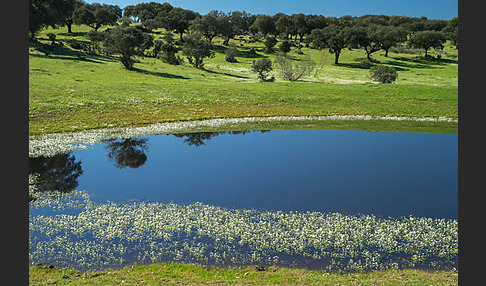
point(71, 90)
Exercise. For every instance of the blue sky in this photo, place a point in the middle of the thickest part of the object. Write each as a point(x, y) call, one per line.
point(432, 9)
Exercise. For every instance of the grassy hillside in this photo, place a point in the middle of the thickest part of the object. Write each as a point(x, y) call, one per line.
point(70, 90)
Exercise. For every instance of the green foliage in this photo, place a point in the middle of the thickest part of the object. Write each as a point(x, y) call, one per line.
point(262, 67)
point(270, 42)
point(383, 74)
point(263, 24)
point(96, 15)
point(427, 39)
point(48, 13)
point(285, 47)
point(208, 25)
point(166, 50)
point(177, 19)
point(333, 38)
point(230, 54)
point(126, 41)
point(196, 49)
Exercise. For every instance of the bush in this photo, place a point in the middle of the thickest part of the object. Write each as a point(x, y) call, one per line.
point(262, 67)
point(230, 54)
point(166, 51)
point(285, 47)
point(293, 70)
point(52, 37)
point(270, 42)
point(383, 74)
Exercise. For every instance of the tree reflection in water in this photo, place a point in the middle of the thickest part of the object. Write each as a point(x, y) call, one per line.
point(127, 152)
point(198, 138)
point(57, 173)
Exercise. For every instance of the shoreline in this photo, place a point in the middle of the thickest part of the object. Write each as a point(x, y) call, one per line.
point(50, 144)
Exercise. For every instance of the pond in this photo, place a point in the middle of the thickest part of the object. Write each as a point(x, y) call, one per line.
point(408, 180)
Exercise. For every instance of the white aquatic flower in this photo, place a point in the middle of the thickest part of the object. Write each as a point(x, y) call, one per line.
point(203, 233)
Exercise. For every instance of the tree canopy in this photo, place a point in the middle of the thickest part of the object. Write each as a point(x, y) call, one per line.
point(96, 15)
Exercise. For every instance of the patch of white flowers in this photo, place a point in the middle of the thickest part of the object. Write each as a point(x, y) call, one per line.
point(118, 234)
point(55, 143)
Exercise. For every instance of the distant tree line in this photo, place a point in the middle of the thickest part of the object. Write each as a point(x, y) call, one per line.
point(371, 33)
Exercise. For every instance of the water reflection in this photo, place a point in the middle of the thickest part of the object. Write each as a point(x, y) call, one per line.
point(58, 173)
point(127, 152)
point(197, 138)
point(388, 174)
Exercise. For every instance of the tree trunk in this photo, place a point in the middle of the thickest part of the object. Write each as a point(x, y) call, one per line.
point(226, 41)
point(386, 53)
point(426, 52)
point(368, 56)
point(69, 23)
point(336, 58)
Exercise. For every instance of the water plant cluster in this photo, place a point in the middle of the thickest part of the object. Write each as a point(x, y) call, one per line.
point(101, 235)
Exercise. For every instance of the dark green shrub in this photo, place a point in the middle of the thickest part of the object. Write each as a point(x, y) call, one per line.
point(383, 74)
point(270, 42)
point(285, 47)
point(166, 51)
point(51, 36)
point(262, 67)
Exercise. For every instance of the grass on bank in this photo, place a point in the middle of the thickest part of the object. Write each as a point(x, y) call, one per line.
point(72, 90)
point(188, 274)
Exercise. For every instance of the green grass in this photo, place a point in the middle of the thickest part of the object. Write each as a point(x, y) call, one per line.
point(184, 274)
point(72, 91)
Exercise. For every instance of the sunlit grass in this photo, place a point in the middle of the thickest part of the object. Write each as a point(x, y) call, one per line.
point(178, 274)
point(76, 91)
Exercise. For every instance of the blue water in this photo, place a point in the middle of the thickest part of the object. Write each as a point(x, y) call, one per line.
point(351, 172)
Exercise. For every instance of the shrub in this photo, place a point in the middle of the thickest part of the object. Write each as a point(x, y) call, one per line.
point(270, 42)
point(230, 54)
point(383, 74)
point(293, 70)
point(285, 47)
point(52, 37)
point(165, 51)
point(262, 67)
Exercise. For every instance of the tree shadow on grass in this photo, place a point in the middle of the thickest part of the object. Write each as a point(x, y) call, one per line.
point(224, 73)
point(61, 52)
point(358, 65)
point(423, 62)
point(243, 52)
point(160, 74)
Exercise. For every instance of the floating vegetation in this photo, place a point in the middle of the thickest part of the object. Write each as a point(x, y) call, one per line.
point(55, 143)
point(110, 234)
